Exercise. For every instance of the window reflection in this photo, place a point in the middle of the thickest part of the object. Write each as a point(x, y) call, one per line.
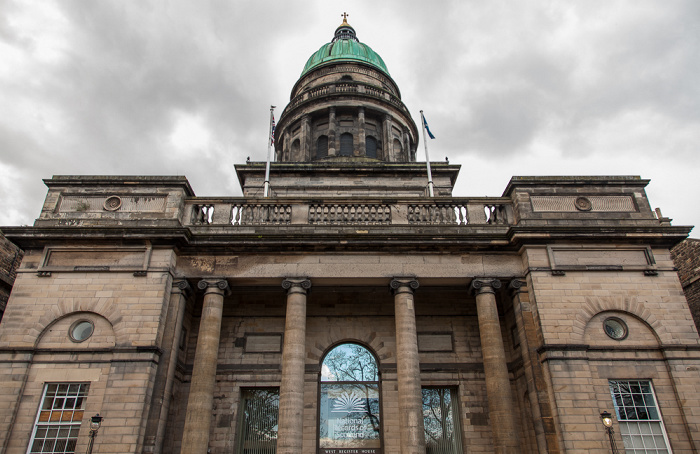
point(349, 362)
point(349, 401)
point(441, 419)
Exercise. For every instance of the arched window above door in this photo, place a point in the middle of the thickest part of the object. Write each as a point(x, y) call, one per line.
point(349, 362)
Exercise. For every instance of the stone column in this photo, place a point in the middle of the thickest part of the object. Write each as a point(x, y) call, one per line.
point(195, 438)
point(388, 142)
point(163, 386)
point(332, 147)
point(410, 154)
point(361, 132)
point(305, 138)
point(291, 407)
point(285, 147)
point(498, 391)
point(408, 368)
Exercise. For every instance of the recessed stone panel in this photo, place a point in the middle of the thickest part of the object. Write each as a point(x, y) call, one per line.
point(600, 257)
point(106, 258)
point(435, 342)
point(263, 343)
point(71, 203)
point(597, 203)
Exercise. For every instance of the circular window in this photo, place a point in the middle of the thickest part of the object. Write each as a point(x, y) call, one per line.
point(81, 330)
point(615, 328)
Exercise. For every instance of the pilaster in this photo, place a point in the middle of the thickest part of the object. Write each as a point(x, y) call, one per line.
point(162, 388)
point(332, 126)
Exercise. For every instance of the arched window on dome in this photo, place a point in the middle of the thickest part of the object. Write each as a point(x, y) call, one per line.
point(371, 147)
point(322, 147)
point(346, 144)
point(296, 145)
point(349, 400)
point(398, 151)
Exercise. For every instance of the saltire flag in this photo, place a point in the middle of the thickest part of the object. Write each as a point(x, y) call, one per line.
point(272, 131)
point(425, 123)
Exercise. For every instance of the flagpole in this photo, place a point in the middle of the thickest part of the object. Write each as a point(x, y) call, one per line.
point(427, 158)
point(266, 185)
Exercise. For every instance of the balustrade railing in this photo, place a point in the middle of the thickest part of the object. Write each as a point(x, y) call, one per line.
point(343, 87)
point(256, 212)
point(340, 214)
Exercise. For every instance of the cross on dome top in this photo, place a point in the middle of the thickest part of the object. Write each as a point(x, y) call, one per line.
point(345, 30)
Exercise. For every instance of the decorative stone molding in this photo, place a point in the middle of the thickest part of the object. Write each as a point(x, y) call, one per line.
point(296, 285)
point(583, 204)
point(214, 284)
point(517, 286)
point(112, 203)
point(400, 285)
point(484, 285)
point(182, 286)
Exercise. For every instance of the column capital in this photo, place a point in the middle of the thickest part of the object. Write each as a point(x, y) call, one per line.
point(214, 285)
point(516, 286)
point(403, 284)
point(296, 285)
point(181, 286)
point(481, 285)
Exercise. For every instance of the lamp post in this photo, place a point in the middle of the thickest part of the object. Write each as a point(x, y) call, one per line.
point(95, 423)
point(606, 417)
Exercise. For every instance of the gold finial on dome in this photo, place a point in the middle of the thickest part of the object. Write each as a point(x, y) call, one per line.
point(345, 19)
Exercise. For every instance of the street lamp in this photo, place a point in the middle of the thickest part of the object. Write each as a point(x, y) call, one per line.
point(606, 417)
point(95, 423)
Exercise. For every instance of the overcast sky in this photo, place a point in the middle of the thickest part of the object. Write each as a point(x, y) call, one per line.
point(175, 87)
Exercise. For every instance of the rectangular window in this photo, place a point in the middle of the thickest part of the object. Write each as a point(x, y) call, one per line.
point(443, 433)
point(641, 427)
point(258, 421)
point(58, 422)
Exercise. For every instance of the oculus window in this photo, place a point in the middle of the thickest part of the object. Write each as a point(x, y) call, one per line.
point(441, 420)
point(349, 417)
point(641, 427)
point(615, 328)
point(81, 330)
point(58, 422)
point(258, 421)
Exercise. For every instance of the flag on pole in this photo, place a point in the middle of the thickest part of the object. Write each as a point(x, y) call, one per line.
point(425, 123)
point(272, 131)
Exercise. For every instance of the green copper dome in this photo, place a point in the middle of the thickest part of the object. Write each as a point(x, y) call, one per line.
point(344, 47)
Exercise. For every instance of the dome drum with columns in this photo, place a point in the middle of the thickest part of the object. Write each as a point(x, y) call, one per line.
point(345, 107)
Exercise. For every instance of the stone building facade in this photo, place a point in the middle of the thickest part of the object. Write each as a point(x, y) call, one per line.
point(686, 257)
point(348, 312)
